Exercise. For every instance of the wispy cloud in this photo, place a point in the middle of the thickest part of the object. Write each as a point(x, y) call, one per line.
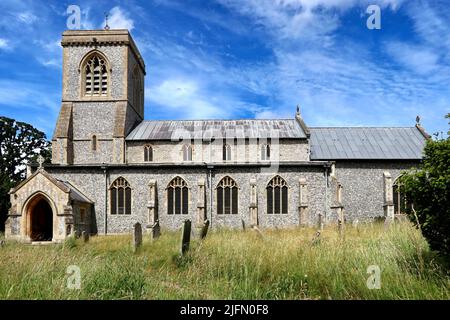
point(4, 44)
point(119, 19)
point(416, 58)
point(27, 17)
point(299, 19)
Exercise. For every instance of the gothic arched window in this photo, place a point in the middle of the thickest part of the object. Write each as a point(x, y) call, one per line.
point(95, 75)
point(187, 152)
point(401, 202)
point(265, 152)
point(226, 152)
point(120, 197)
point(177, 196)
point(227, 196)
point(148, 154)
point(277, 196)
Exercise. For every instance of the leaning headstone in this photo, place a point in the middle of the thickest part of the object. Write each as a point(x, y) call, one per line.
point(137, 236)
point(85, 236)
point(2, 243)
point(156, 230)
point(316, 238)
point(258, 232)
point(204, 230)
point(320, 222)
point(186, 237)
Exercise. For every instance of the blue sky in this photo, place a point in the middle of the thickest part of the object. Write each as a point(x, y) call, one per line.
point(247, 59)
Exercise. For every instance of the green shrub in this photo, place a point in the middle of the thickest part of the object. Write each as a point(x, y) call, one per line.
point(428, 189)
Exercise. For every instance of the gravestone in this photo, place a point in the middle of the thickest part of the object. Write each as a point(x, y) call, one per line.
point(155, 230)
point(320, 222)
point(258, 232)
point(85, 236)
point(2, 243)
point(316, 238)
point(243, 224)
point(137, 236)
point(186, 237)
point(204, 230)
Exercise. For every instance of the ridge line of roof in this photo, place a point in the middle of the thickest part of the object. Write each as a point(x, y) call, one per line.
point(364, 127)
point(179, 120)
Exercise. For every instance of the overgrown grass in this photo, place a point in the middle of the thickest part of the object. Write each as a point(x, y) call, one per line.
point(283, 264)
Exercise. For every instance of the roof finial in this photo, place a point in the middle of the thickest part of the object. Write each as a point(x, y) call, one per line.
point(106, 21)
point(298, 109)
point(418, 120)
point(40, 160)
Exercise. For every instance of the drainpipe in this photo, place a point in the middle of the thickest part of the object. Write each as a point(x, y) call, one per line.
point(105, 172)
point(210, 167)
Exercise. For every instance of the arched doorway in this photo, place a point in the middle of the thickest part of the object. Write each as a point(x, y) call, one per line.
point(40, 220)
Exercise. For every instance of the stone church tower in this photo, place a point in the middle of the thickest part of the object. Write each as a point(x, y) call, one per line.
point(102, 98)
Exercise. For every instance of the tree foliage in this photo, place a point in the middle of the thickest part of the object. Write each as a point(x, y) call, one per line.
point(428, 189)
point(20, 143)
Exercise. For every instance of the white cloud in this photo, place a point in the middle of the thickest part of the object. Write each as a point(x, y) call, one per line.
point(56, 63)
point(184, 97)
point(299, 19)
point(18, 94)
point(416, 58)
point(26, 17)
point(119, 19)
point(4, 44)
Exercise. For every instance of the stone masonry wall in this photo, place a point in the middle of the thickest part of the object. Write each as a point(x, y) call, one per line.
point(171, 151)
point(363, 190)
point(92, 183)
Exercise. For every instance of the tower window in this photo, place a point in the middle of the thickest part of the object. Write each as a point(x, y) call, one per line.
point(95, 73)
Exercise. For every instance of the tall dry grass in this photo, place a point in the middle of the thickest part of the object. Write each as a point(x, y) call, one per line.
point(281, 264)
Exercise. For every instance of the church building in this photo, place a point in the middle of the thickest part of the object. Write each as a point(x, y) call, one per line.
point(111, 168)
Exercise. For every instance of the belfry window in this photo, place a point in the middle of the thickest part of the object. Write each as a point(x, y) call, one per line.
point(95, 72)
point(227, 196)
point(177, 197)
point(120, 197)
point(148, 154)
point(277, 196)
